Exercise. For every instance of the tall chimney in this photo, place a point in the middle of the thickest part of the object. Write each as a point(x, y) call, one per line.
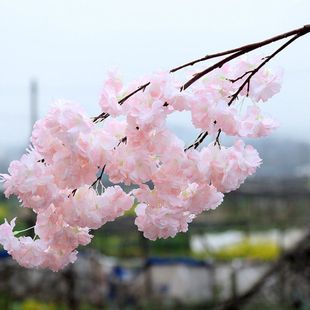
point(33, 103)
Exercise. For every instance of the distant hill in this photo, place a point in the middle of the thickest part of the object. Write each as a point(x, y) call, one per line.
point(282, 158)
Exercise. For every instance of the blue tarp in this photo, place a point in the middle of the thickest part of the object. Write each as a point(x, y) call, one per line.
point(163, 261)
point(4, 254)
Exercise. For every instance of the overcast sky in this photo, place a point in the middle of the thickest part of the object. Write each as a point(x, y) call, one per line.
point(69, 45)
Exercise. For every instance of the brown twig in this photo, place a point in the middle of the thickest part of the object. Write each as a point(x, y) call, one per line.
point(105, 115)
point(245, 49)
point(142, 87)
point(99, 177)
point(254, 71)
point(240, 77)
point(123, 140)
point(217, 139)
point(198, 141)
point(73, 192)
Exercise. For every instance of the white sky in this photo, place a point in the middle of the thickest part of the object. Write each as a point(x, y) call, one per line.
point(69, 45)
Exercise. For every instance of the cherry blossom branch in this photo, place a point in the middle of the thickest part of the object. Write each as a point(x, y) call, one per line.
point(200, 138)
point(254, 71)
point(236, 53)
point(251, 73)
point(73, 192)
point(248, 47)
point(217, 139)
point(123, 140)
point(94, 183)
point(96, 204)
point(198, 141)
point(105, 115)
point(240, 77)
point(99, 177)
point(244, 50)
point(233, 53)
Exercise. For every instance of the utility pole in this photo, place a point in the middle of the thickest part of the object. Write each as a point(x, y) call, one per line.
point(33, 103)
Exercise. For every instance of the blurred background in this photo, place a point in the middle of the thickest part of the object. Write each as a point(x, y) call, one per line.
point(253, 252)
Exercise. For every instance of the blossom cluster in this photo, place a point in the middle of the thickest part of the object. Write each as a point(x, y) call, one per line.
point(58, 176)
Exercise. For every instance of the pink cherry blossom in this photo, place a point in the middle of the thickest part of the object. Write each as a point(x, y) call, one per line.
point(265, 84)
point(162, 222)
point(113, 203)
point(109, 95)
point(7, 238)
point(62, 138)
point(89, 210)
point(31, 181)
point(231, 166)
point(255, 124)
point(173, 183)
point(30, 253)
point(206, 197)
point(82, 209)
